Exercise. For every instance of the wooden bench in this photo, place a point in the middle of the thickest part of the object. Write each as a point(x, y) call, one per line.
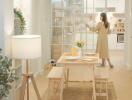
point(101, 81)
point(56, 83)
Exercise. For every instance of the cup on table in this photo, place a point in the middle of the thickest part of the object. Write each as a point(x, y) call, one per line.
point(74, 51)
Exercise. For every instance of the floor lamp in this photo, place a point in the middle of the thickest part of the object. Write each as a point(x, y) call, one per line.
point(27, 47)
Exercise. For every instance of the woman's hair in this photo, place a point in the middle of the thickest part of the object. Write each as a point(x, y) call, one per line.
point(104, 19)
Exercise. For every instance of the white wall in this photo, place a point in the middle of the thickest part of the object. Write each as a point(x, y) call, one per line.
point(128, 36)
point(6, 25)
point(6, 30)
point(2, 24)
point(41, 22)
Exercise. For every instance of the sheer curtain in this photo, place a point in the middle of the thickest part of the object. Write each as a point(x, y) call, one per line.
point(41, 24)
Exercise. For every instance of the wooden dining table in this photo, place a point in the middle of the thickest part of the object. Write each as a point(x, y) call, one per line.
point(89, 60)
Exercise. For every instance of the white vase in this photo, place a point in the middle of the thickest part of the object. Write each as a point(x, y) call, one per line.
point(80, 52)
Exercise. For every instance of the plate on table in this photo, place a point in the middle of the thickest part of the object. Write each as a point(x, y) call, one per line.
point(90, 54)
point(71, 57)
point(87, 59)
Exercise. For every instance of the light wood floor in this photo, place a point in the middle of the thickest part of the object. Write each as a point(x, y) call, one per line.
point(121, 77)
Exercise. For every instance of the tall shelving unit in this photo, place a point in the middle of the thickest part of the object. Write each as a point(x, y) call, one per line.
point(79, 9)
point(57, 29)
point(67, 25)
point(64, 26)
point(70, 29)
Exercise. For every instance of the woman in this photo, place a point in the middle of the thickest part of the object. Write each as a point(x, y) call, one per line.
point(103, 29)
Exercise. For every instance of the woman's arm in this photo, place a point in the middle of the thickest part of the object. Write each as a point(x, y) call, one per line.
point(95, 29)
point(87, 25)
point(109, 30)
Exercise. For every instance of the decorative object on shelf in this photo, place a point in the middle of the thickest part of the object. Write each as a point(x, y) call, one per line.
point(22, 48)
point(120, 38)
point(80, 45)
point(108, 9)
point(119, 26)
point(19, 21)
point(7, 75)
point(119, 15)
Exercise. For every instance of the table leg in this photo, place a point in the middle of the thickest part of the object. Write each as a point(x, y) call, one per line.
point(66, 76)
point(94, 89)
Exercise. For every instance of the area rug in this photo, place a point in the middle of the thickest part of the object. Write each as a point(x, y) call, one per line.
point(83, 91)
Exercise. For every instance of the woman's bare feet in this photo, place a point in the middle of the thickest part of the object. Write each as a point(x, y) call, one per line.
point(102, 65)
point(109, 62)
point(111, 66)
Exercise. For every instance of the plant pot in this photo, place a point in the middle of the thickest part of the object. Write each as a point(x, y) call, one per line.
point(11, 95)
point(5, 98)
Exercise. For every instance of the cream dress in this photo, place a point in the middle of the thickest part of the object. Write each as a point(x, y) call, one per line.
point(102, 41)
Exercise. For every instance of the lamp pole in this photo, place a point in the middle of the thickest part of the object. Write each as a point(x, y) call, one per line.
point(27, 72)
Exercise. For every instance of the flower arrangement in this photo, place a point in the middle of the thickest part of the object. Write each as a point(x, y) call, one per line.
point(80, 44)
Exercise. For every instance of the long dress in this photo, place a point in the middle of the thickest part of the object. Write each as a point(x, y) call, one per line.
point(102, 40)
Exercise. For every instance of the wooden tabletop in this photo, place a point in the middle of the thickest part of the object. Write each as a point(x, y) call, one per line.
point(88, 59)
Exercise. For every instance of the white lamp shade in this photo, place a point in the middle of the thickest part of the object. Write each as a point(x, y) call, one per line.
point(26, 46)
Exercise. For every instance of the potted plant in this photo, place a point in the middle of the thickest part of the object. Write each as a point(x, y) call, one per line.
point(19, 21)
point(7, 76)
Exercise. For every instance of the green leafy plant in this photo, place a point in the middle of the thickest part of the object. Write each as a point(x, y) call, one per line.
point(7, 75)
point(18, 14)
point(80, 44)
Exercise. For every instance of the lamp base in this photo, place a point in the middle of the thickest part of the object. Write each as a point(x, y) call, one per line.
point(25, 83)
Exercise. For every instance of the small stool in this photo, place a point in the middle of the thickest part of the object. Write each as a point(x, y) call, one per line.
point(56, 83)
point(101, 82)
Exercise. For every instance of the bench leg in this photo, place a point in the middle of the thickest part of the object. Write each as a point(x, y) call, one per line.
point(67, 77)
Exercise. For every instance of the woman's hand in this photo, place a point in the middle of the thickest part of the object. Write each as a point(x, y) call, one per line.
point(87, 25)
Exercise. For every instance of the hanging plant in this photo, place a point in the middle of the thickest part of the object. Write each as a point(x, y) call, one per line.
point(7, 76)
point(20, 24)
